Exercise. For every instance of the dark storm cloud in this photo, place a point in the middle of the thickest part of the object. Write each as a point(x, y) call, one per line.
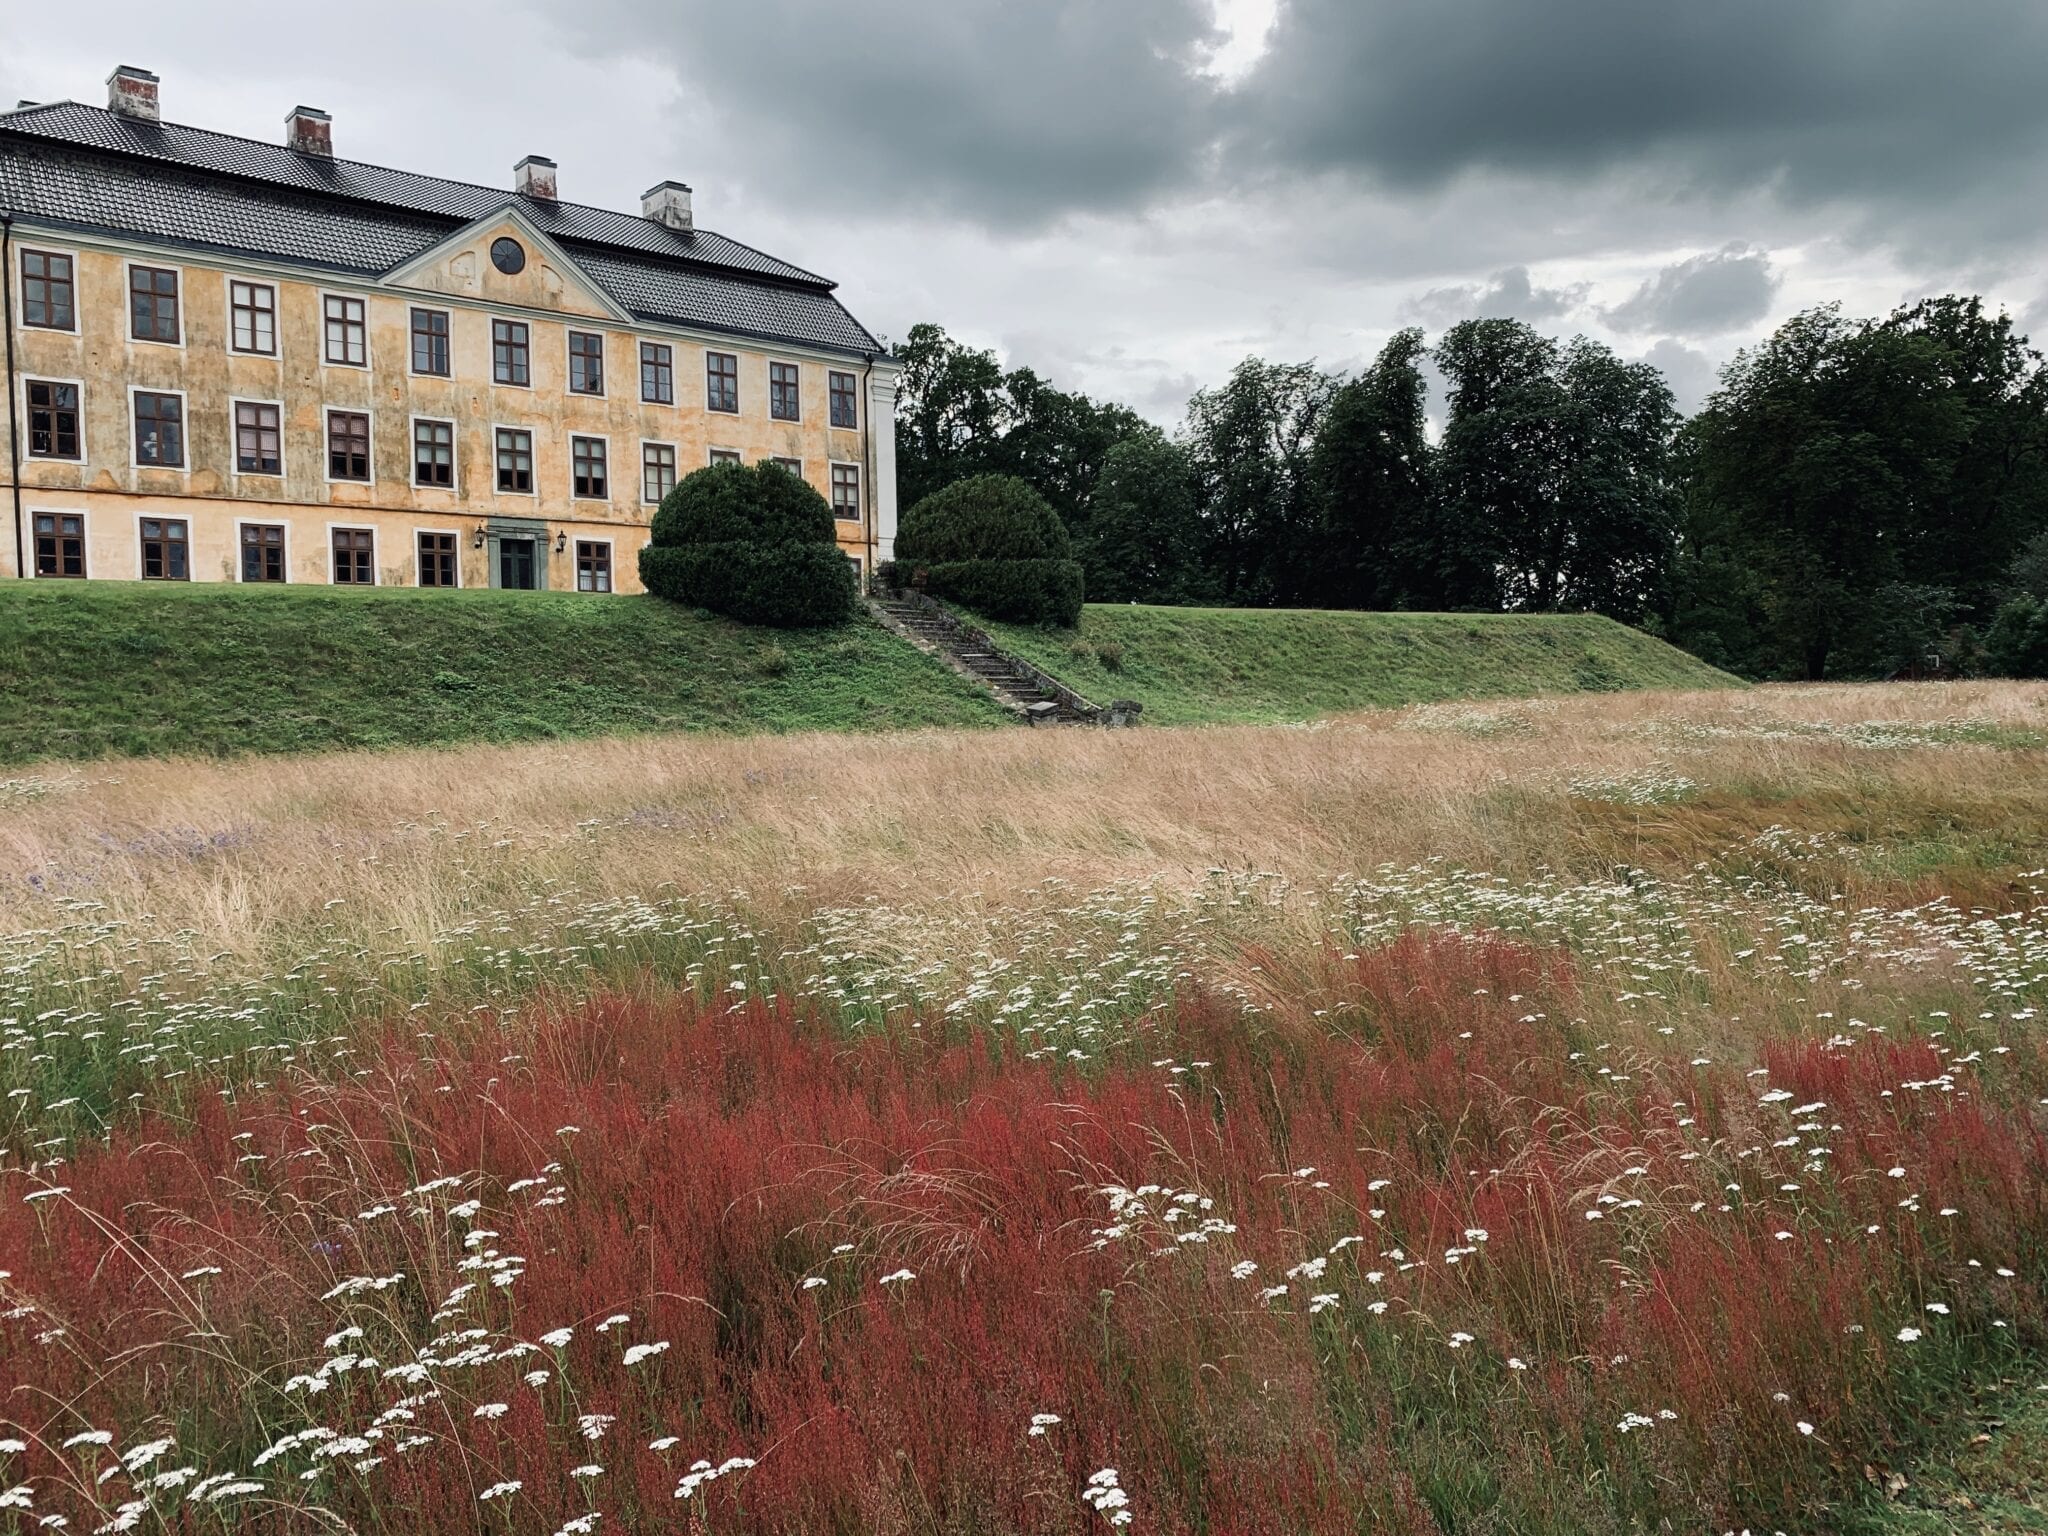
point(1824, 97)
point(1508, 294)
point(1002, 111)
point(1703, 295)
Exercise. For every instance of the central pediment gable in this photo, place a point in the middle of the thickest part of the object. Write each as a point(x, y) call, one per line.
point(547, 277)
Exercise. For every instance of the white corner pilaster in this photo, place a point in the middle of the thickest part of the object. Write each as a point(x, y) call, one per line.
point(882, 432)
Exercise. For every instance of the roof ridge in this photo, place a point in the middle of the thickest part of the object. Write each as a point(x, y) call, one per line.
point(509, 195)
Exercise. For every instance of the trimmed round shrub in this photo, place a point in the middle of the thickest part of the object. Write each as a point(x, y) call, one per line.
point(995, 545)
point(753, 542)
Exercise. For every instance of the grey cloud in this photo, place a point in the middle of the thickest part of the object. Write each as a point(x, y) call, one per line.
point(1692, 374)
point(1509, 294)
point(1703, 295)
point(1007, 113)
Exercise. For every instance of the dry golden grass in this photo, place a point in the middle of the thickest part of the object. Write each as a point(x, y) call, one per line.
point(246, 853)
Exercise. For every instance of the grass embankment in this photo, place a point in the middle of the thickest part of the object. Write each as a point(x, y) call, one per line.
point(1204, 666)
point(123, 669)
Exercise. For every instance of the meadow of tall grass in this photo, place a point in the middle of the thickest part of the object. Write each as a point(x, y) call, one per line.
point(1597, 1115)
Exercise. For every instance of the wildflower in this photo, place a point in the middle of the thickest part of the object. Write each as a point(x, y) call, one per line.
point(1909, 1335)
point(1323, 1302)
point(1460, 1340)
point(638, 1352)
point(662, 1444)
point(812, 1282)
point(1041, 1422)
point(499, 1491)
point(612, 1322)
point(588, 1469)
point(45, 1194)
point(555, 1338)
point(1243, 1269)
point(1515, 1363)
point(488, 1411)
point(1803, 1427)
point(582, 1525)
point(1107, 1499)
point(90, 1437)
point(900, 1277)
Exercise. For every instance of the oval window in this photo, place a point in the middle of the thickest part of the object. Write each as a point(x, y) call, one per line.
point(508, 255)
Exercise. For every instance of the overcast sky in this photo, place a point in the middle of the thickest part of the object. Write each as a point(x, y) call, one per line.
point(1132, 195)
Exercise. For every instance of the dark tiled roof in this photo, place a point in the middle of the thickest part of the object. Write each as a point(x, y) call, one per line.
point(90, 167)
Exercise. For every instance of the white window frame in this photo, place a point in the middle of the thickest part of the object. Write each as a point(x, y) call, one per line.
point(84, 538)
point(172, 517)
point(413, 373)
point(79, 384)
point(327, 412)
point(128, 303)
point(134, 443)
point(262, 522)
point(532, 453)
point(610, 482)
point(77, 319)
point(611, 566)
point(376, 550)
point(228, 281)
point(786, 362)
point(604, 365)
point(656, 442)
point(454, 485)
point(235, 469)
point(360, 298)
point(460, 535)
point(860, 491)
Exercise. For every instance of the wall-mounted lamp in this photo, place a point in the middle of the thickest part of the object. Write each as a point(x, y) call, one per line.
point(478, 542)
point(561, 542)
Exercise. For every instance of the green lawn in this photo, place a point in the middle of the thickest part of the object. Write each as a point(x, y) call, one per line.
point(1191, 666)
point(126, 669)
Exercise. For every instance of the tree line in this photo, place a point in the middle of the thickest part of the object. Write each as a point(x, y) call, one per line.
point(1858, 497)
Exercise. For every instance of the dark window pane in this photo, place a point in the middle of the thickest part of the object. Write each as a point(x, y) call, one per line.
point(433, 453)
point(347, 331)
point(721, 381)
point(53, 420)
point(846, 491)
point(348, 445)
point(657, 471)
point(152, 304)
point(353, 549)
point(509, 354)
point(782, 391)
point(47, 292)
point(430, 342)
point(163, 549)
point(587, 465)
point(252, 315)
point(437, 559)
point(845, 407)
point(586, 363)
point(159, 430)
point(657, 373)
point(515, 461)
point(258, 439)
point(262, 552)
point(593, 566)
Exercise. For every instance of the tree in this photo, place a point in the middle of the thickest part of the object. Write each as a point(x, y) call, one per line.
point(1142, 542)
point(751, 541)
point(1370, 473)
point(995, 544)
point(1250, 441)
point(1553, 482)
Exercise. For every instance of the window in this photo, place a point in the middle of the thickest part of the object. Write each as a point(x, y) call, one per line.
point(657, 373)
point(263, 552)
point(721, 382)
point(348, 445)
point(586, 363)
point(354, 550)
point(509, 352)
point(52, 420)
point(725, 456)
point(60, 544)
point(846, 491)
point(437, 560)
point(153, 304)
point(586, 463)
point(433, 454)
point(430, 342)
point(258, 439)
point(252, 317)
point(845, 404)
point(657, 470)
point(794, 466)
point(782, 401)
point(159, 430)
point(348, 331)
point(593, 566)
point(164, 546)
point(515, 461)
point(48, 297)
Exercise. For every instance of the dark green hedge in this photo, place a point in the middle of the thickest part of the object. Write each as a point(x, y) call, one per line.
point(753, 542)
point(1021, 591)
point(2017, 645)
point(986, 517)
point(791, 586)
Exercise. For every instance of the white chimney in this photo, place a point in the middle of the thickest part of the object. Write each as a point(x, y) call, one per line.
point(310, 131)
point(534, 177)
point(132, 93)
point(667, 202)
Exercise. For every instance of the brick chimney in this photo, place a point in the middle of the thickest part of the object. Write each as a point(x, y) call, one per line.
point(667, 202)
point(534, 177)
point(132, 93)
point(310, 131)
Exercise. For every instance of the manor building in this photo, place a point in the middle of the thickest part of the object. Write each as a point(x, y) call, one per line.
point(236, 361)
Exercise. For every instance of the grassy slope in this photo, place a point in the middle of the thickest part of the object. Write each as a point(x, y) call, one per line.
point(1215, 665)
point(128, 669)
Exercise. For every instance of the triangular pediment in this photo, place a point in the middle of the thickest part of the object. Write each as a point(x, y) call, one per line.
point(461, 266)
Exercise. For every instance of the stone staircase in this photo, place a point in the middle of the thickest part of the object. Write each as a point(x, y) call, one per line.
point(1033, 695)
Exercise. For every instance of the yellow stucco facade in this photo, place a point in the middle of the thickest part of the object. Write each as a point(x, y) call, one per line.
point(216, 497)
